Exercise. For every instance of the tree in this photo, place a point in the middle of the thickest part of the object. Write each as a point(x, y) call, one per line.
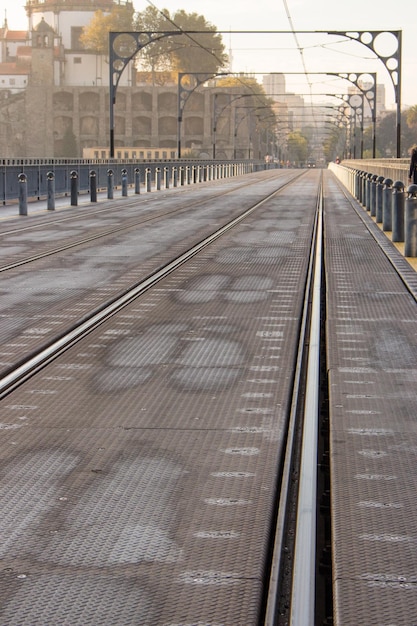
point(333, 144)
point(411, 117)
point(297, 147)
point(181, 52)
point(386, 136)
point(155, 56)
point(197, 52)
point(69, 145)
point(95, 36)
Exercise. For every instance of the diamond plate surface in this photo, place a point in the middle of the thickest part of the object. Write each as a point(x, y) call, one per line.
point(376, 599)
point(140, 467)
point(44, 298)
point(371, 358)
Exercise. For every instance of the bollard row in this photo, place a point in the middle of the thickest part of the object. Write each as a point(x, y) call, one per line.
point(182, 175)
point(393, 207)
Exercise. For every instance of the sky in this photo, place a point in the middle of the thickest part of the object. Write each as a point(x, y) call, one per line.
point(293, 53)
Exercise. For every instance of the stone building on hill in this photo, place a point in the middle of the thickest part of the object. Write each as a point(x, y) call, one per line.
point(55, 94)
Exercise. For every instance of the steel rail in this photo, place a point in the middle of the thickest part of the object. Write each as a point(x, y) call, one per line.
point(96, 209)
point(304, 567)
point(38, 360)
point(281, 522)
point(113, 231)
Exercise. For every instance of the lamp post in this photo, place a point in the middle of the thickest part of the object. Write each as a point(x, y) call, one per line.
point(124, 45)
point(188, 82)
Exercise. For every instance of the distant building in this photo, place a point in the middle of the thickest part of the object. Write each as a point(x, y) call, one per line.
point(54, 96)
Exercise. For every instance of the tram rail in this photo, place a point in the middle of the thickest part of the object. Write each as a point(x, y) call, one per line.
point(303, 368)
point(109, 209)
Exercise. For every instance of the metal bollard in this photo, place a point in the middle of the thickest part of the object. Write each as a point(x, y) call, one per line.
point(174, 177)
point(23, 194)
point(110, 184)
point(148, 179)
point(124, 182)
point(378, 202)
point(166, 177)
point(410, 222)
point(373, 195)
point(363, 188)
point(74, 188)
point(93, 186)
point(158, 178)
point(368, 192)
point(398, 211)
point(357, 184)
point(137, 180)
point(50, 190)
point(387, 205)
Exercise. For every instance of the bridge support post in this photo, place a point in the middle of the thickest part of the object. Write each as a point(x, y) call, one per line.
point(379, 189)
point(137, 180)
point(410, 222)
point(373, 195)
point(110, 184)
point(93, 186)
point(148, 179)
point(74, 188)
point(368, 192)
point(50, 191)
point(124, 182)
point(387, 205)
point(398, 211)
point(23, 194)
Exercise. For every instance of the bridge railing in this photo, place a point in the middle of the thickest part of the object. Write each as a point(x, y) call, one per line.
point(36, 173)
point(396, 169)
point(381, 191)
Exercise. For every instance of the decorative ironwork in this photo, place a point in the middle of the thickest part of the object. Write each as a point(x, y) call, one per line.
point(125, 45)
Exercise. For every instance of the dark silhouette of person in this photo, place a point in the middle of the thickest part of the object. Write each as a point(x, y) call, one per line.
point(412, 174)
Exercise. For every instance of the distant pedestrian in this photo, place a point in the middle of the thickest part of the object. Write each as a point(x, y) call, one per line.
point(412, 174)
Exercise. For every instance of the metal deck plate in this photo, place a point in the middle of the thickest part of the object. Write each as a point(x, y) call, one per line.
point(372, 362)
point(141, 465)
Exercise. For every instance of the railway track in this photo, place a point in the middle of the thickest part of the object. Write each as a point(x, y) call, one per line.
point(180, 207)
point(172, 346)
point(87, 273)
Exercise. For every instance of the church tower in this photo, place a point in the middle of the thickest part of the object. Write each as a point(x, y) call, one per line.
point(67, 18)
point(43, 40)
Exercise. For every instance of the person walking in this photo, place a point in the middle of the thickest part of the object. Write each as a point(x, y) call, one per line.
point(412, 174)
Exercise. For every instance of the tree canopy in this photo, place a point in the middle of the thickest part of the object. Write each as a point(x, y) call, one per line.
point(182, 52)
point(411, 117)
point(386, 136)
point(297, 147)
point(95, 36)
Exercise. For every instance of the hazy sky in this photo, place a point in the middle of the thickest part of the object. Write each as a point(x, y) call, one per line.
point(263, 53)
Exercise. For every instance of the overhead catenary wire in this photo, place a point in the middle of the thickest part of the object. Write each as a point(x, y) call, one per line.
point(300, 49)
point(198, 44)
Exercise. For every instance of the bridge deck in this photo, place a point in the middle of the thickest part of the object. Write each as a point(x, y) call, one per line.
point(372, 369)
point(138, 469)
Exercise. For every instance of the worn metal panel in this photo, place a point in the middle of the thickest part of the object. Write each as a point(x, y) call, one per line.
point(372, 364)
point(141, 465)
